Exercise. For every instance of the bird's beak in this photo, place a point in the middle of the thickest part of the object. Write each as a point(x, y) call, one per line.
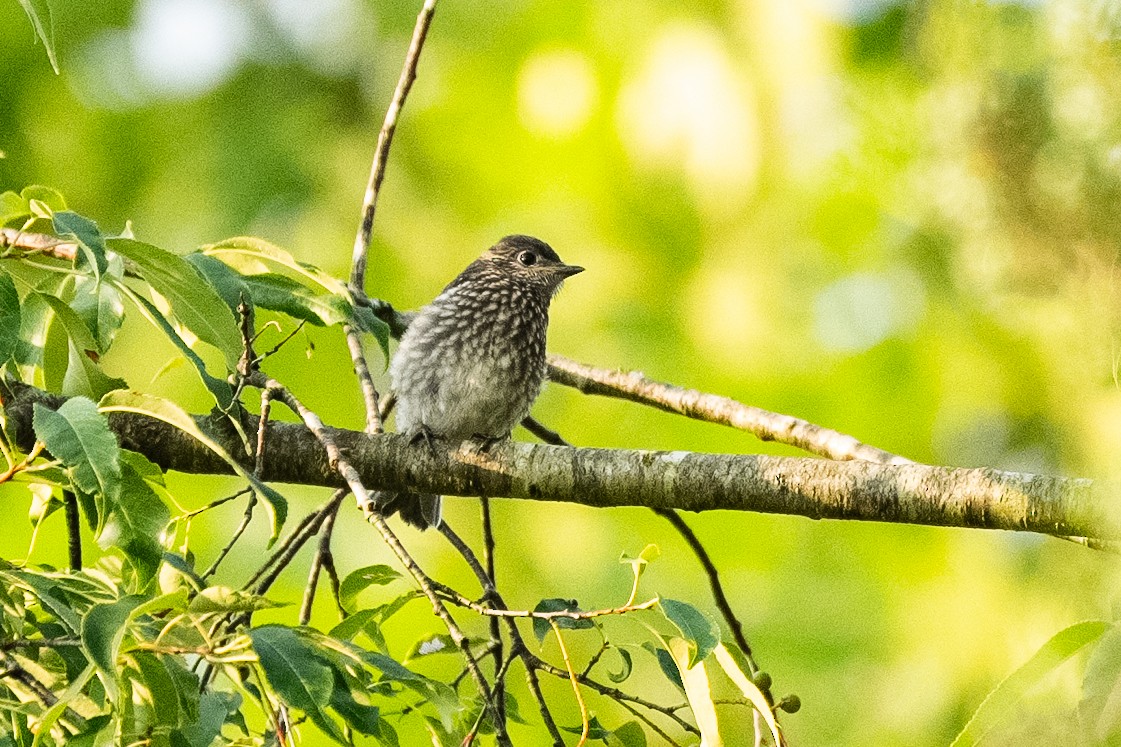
point(567, 271)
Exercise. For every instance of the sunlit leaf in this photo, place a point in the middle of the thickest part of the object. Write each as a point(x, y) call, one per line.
point(79, 436)
point(250, 256)
point(103, 628)
point(172, 414)
point(1100, 709)
point(85, 233)
point(225, 599)
point(698, 629)
point(541, 626)
point(698, 690)
point(356, 581)
point(1003, 699)
point(195, 303)
point(750, 690)
point(49, 196)
point(39, 13)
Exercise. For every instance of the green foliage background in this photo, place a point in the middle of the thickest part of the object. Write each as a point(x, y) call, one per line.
point(900, 221)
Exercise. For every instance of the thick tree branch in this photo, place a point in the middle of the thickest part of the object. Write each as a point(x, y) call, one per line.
point(900, 493)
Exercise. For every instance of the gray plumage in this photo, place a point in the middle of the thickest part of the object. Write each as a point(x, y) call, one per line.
point(472, 362)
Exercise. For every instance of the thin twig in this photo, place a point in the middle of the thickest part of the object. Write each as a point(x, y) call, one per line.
point(613, 692)
point(309, 530)
point(517, 643)
point(385, 139)
point(495, 624)
point(23, 464)
point(718, 594)
point(284, 550)
point(427, 586)
point(73, 530)
point(365, 380)
point(575, 684)
point(322, 557)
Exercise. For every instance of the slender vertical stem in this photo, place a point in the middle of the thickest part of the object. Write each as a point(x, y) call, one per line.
point(73, 530)
point(385, 139)
point(517, 644)
point(495, 624)
point(322, 557)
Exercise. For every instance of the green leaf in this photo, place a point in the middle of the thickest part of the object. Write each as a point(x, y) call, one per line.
point(195, 303)
point(186, 688)
point(222, 278)
point(595, 730)
point(541, 627)
point(628, 665)
point(283, 294)
point(103, 628)
point(437, 693)
point(356, 581)
point(630, 734)
point(698, 689)
point(82, 375)
point(698, 629)
point(1101, 690)
point(144, 467)
point(1003, 699)
point(49, 595)
point(47, 721)
point(220, 388)
point(136, 523)
point(99, 305)
point(85, 233)
point(213, 707)
point(362, 717)
point(248, 255)
point(10, 317)
point(52, 198)
point(252, 257)
point(13, 208)
point(665, 663)
point(161, 688)
point(171, 413)
point(79, 436)
point(39, 13)
point(750, 690)
point(225, 599)
point(300, 675)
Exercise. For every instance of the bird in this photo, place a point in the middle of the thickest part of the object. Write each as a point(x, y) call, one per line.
point(471, 363)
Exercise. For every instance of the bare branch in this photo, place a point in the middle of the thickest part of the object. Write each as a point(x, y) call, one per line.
point(712, 408)
point(900, 493)
point(385, 139)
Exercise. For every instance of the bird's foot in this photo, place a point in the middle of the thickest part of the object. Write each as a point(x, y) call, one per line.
point(425, 434)
point(485, 443)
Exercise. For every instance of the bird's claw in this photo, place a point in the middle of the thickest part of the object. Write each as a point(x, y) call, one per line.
point(484, 443)
point(424, 433)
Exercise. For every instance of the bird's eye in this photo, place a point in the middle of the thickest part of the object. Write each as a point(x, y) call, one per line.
point(527, 258)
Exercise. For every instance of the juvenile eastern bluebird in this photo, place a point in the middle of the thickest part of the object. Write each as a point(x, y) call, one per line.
point(472, 361)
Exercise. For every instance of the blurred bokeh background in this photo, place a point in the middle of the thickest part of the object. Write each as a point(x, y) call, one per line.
point(897, 220)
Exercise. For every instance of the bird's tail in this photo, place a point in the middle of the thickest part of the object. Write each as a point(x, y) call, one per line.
point(421, 510)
